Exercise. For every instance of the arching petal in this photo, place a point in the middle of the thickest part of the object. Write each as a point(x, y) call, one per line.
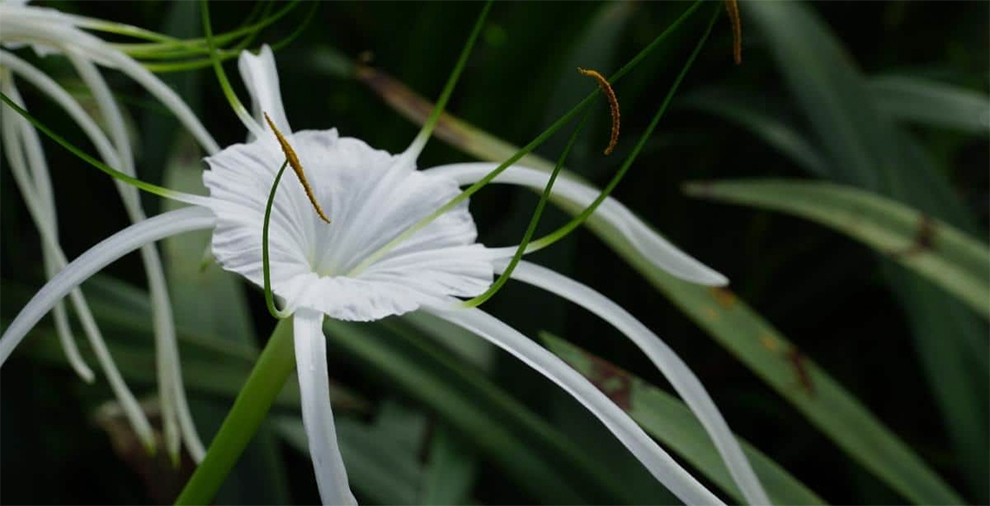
point(664, 468)
point(94, 259)
point(314, 389)
point(673, 368)
point(654, 247)
point(260, 76)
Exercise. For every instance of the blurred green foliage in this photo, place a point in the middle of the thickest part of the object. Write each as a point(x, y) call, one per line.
point(912, 355)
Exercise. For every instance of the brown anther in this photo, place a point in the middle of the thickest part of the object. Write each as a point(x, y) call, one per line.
point(613, 105)
point(732, 9)
point(290, 155)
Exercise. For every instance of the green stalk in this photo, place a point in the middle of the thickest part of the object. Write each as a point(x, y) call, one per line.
point(228, 91)
point(276, 363)
point(424, 134)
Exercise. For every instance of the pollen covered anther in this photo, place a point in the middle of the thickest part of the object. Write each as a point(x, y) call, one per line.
point(613, 105)
point(732, 9)
point(290, 155)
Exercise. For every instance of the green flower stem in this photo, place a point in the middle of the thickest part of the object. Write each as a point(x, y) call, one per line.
point(276, 363)
point(448, 89)
point(228, 91)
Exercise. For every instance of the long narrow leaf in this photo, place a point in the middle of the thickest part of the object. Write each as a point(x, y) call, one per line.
point(932, 103)
point(934, 249)
point(667, 418)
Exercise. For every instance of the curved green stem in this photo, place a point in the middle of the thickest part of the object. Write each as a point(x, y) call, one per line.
point(273, 368)
point(533, 222)
point(265, 264)
point(116, 174)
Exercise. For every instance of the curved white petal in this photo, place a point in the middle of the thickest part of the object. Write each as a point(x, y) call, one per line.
point(37, 190)
point(51, 31)
point(55, 258)
point(314, 390)
point(673, 368)
point(260, 76)
point(166, 350)
point(94, 259)
point(370, 198)
point(664, 468)
point(653, 247)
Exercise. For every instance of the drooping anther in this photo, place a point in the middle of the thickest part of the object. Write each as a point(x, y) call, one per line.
point(732, 9)
point(290, 155)
point(613, 105)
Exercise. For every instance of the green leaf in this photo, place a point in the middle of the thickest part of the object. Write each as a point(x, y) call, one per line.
point(934, 249)
point(529, 451)
point(931, 103)
point(866, 148)
point(672, 423)
point(452, 469)
point(751, 112)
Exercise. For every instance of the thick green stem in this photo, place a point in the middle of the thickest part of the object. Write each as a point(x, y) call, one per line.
point(274, 366)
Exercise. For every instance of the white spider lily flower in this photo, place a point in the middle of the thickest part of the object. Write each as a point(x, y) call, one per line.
point(371, 197)
point(51, 32)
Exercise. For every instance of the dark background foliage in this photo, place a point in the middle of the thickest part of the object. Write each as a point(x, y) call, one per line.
point(819, 288)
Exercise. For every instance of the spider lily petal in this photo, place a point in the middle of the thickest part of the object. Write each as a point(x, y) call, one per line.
point(261, 79)
point(664, 468)
point(119, 155)
point(680, 376)
point(654, 247)
point(57, 259)
point(314, 389)
point(170, 387)
point(37, 188)
point(50, 31)
point(96, 258)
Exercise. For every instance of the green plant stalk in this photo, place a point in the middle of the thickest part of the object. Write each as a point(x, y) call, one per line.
point(276, 363)
point(448, 89)
point(228, 91)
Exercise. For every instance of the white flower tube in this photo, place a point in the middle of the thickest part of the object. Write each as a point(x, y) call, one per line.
point(314, 390)
point(654, 247)
point(664, 468)
point(673, 368)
